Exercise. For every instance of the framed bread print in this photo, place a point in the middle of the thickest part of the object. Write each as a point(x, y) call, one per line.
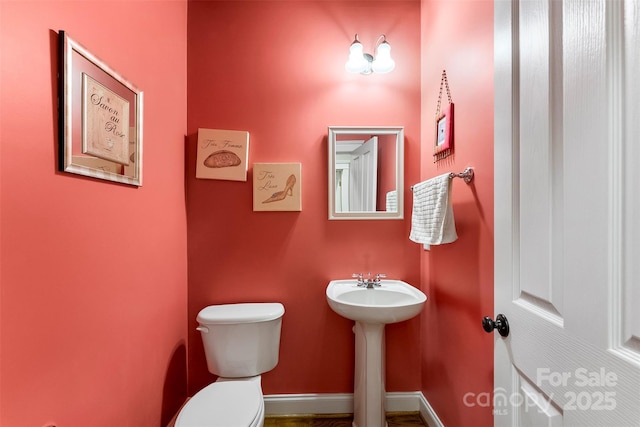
point(277, 187)
point(222, 154)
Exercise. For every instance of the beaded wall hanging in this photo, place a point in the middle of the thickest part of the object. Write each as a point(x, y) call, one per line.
point(444, 123)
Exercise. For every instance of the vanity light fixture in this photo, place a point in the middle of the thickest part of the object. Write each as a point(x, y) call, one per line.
point(364, 63)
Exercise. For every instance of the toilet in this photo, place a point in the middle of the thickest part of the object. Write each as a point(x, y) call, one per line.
point(241, 342)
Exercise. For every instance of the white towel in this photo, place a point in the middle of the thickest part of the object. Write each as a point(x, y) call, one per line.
point(392, 201)
point(432, 220)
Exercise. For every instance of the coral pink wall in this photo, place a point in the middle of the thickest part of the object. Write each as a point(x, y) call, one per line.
point(276, 69)
point(93, 274)
point(112, 341)
point(457, 355)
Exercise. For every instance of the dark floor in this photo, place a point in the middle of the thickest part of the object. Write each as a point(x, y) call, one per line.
point(398, 419)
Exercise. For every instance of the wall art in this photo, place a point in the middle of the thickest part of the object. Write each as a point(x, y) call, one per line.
point(444, 123)
point(222, 154)
point(99, 117)
point(277, 187)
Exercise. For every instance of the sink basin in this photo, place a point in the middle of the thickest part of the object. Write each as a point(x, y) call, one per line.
point(393, 301)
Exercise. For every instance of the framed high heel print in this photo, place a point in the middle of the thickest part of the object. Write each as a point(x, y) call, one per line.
point(277, 187)
point(222, 154)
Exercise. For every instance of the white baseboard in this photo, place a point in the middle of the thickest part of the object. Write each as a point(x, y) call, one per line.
point(342, 403)
point(304, 404)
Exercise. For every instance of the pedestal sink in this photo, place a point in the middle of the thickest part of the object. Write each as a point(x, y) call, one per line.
point(372, 308)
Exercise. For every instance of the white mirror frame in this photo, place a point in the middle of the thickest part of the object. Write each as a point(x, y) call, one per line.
point(334, 131)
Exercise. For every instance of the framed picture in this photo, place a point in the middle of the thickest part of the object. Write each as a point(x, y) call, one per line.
point(277, 187)
point(222, 154)
point(105, 122)
point(99, 119)
point(444, 133)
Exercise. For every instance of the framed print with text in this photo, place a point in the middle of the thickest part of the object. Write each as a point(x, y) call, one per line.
point(99, 118)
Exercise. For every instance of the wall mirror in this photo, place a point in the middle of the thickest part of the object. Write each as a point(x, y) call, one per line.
point(99, 117)
point(366, 172)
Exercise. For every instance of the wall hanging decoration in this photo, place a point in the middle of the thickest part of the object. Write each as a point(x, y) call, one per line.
point(444, 123)
point(277, 187)
point(99, 117)
point(222, 154)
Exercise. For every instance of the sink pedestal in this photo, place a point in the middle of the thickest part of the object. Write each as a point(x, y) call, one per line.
point(369, 397)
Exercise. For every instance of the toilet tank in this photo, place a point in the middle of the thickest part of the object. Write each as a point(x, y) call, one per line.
point(241, 340)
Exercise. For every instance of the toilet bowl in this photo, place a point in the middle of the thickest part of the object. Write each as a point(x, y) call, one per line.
point(241, 342)
point(224, 404)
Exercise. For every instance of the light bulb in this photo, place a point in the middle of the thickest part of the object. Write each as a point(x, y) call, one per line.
point(357, 62)
point(383, 62)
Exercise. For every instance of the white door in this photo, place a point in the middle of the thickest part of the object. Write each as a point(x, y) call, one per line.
point(567, 212)
point(363, 177)
point(341, 189)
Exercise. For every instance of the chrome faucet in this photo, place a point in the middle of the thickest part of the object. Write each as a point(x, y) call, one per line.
point(368, 282)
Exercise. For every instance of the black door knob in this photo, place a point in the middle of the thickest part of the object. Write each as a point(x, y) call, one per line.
point(501, 324)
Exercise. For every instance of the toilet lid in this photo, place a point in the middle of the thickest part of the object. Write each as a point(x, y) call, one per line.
point(222, 404)
point(240, 313)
